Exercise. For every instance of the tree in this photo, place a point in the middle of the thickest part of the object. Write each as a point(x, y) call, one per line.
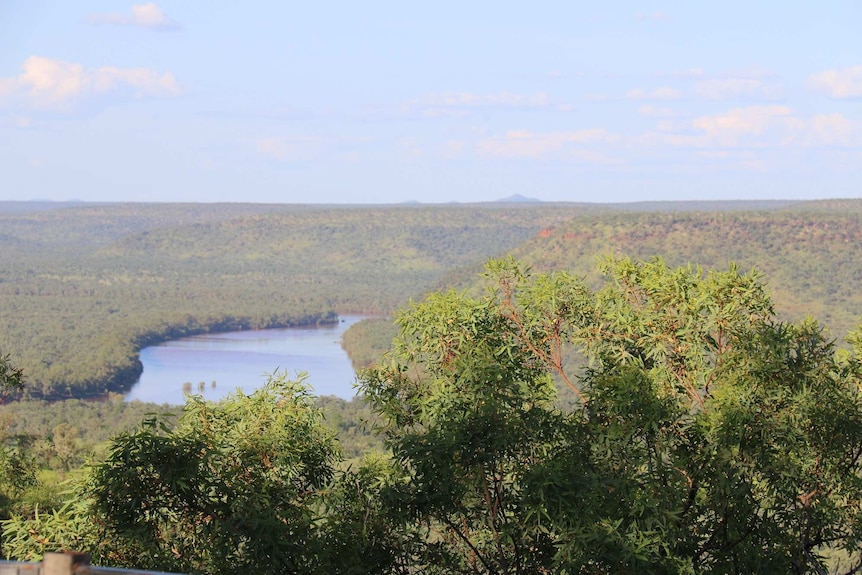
point(11, 378)
point(64, 443)
point(17, 469)
point(233, 487)
point(468, 414)
point(711, 437)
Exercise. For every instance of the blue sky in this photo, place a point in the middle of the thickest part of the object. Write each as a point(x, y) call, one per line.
point(386, 102)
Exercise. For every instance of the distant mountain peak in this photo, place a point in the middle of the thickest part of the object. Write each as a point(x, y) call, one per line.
point(518, 198)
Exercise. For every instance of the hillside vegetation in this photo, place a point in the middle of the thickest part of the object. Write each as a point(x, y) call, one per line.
point(83, 288)
point(809, 254)
point(708, 437)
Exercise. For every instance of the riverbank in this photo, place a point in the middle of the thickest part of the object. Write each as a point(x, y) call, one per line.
point(215, 364)
point(120, 377)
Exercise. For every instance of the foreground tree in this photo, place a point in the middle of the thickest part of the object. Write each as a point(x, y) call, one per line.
point(711, 437)
point(17, 470)
point(11, 378)
point(232, 487)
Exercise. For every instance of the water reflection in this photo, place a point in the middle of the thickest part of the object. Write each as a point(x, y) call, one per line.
point(242, 359)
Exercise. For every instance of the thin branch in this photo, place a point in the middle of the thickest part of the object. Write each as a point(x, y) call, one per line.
point(469, 543)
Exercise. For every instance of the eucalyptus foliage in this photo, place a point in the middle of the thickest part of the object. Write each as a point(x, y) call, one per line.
point(16, 470)
point(11, 378)
point(232, 487)
point(710, 436)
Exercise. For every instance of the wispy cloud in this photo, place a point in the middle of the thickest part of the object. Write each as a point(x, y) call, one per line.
point(845, 83)
point(654, 16)
point(460, 104)
point(303, 148)
point(16, 121)
point(736, 88)
point(689, 74)
point(526, 144)
point(823, 130)
point(663, 93)
point(289, 149)
point(758, 127)
point(729, 128)
point(142, 15)
point(650, 111)
point(408, 147)
point(48, 83)
point(752, 84)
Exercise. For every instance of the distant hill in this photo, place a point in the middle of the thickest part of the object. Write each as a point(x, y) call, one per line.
point(519, 199)
point(706, 205)
point(40, 205)
point(808, 253)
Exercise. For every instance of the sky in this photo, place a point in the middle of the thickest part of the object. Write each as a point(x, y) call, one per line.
point(390, 102)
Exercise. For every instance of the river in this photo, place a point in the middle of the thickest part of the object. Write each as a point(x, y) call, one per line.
point(243, 359)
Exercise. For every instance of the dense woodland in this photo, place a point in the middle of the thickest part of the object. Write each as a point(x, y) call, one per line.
point(808, 254)
point(82, 289)
point(583, 367)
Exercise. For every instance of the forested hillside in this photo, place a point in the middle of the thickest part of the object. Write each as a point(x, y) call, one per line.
point(809, 254)
point(84, 287)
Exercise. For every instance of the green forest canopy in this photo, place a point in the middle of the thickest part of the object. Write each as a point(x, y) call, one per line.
point(709, 437)
point(139, 273)
point(83, 288)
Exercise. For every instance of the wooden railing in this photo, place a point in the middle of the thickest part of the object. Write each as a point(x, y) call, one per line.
point(66, 564)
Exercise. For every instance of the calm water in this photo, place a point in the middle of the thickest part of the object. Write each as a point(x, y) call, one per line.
point(242, 359)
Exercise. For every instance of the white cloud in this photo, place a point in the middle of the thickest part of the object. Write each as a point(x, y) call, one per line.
point(149, 15)
point(655, 16)
point(289, 149)
point(408, 147)
point(144, 81)
point(758, 127)
point(16, 121)
point(846, 83)
point(663, 93)
point(729, 128)
point(459, 104)
point(690, 74)
point(453, 148)
point(7, 86)
point(735, 87)
point(275, 147)
point(651, 111)
point(142, 15)
point(525, 144)
point(49, 83)
point(823, 130)
point(300, 148)
point(745, 84)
